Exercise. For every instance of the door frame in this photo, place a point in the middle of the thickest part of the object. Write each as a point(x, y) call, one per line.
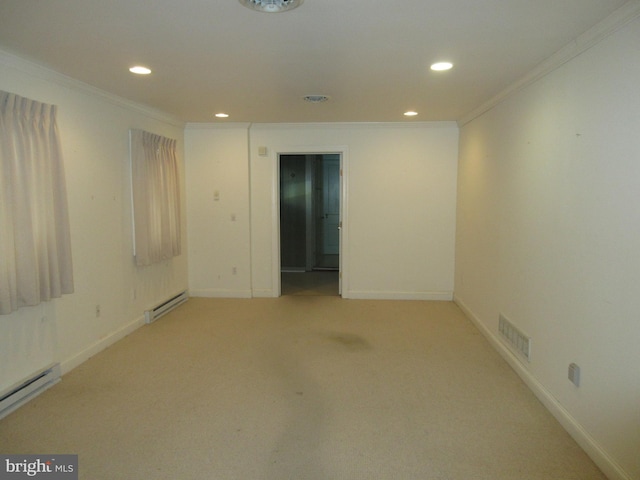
point(343, 267)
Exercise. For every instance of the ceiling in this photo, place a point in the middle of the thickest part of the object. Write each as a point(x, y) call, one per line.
point(371, 57)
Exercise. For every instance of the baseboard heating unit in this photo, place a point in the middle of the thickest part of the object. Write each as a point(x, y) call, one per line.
point(164, 307)
point(23, 391)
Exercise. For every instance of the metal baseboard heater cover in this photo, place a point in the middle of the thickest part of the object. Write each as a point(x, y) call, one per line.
point(165, 307)
point(23, 391)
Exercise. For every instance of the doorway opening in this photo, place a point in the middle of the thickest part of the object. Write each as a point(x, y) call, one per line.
point(310, 186)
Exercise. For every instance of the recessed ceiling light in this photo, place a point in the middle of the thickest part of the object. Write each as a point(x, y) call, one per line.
point(441, 66)
point(315, 98)
point(222, 115)
point(139, 70)
point(271, 6)
point(410, 113)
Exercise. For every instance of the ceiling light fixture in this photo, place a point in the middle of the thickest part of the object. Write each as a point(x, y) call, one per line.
point(315, 98)
point(222, 115)
point(410, 113)
point(271, 6)
point(441, 66)
point(139, 70)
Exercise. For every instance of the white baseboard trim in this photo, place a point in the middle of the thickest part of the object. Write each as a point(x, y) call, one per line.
point(219, 293)
point(375, 295)
point(601, 458)
point(259, 293)
point(71, 363)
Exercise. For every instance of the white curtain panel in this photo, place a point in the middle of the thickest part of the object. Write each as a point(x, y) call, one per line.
point(35, 245)
point(156, 197)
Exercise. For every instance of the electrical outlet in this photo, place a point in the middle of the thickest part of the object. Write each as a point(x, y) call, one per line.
point(574, 374)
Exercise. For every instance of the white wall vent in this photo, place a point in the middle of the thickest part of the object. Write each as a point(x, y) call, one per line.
point(164, 307)
point(20, 393)
point(514, 337)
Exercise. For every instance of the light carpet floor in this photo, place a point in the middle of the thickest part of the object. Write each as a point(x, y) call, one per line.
point(299, 387)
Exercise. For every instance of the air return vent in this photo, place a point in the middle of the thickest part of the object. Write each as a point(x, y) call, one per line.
point(520, 342)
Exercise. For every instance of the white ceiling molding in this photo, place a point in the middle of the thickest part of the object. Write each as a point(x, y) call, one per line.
point(625, 14)
point(216, 125)
point(44, 73)
point(341, 125)
point(368, 81)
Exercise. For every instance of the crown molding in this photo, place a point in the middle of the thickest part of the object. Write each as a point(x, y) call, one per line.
point(44, 73)
point(340, 125)
point(614, 22)
point(217, 126)
point(324, 125)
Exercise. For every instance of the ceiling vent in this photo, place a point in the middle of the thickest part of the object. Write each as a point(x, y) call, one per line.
point(271, 6)
point(315, 98)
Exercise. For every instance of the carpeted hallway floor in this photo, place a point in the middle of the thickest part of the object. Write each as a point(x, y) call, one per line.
point(300, 387)
point(324, 283)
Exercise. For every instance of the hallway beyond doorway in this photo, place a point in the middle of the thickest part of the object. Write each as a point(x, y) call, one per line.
point(309, 211)
point(318, 283)
point(327, 262)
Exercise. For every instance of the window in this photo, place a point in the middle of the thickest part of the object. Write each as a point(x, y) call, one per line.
point(35, 245)
point(156, 197)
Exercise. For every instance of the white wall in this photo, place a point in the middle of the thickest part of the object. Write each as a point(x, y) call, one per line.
point(94, 134)
point(217, 170)
point(548, 233)
point(400, 202)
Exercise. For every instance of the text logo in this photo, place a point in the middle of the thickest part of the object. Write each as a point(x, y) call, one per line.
point(44, 467)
